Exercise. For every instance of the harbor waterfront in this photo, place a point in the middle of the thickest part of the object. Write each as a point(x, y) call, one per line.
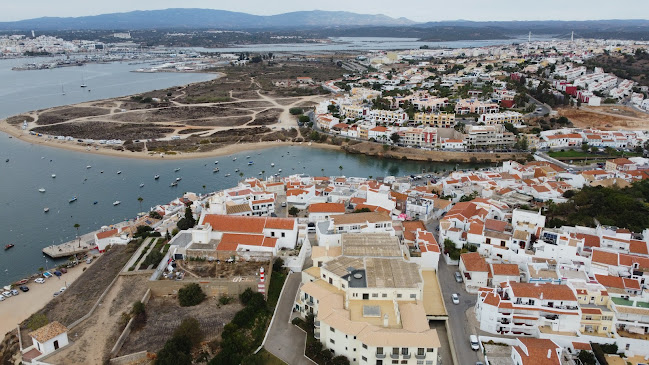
point(30, 168)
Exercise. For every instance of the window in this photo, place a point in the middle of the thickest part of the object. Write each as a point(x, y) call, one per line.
point(588, 318)
point(421, 351)
point(395, 351)
point(379, 350)
point(363, 358)
point(604, 328)
point(283, 234)
point(332, 329)
point(398, 295)
point(413, 296)
point(379, 362)
point(365, 347)
point(404, 351)
point(332, 340)
point(395, 361)
point(628, 345)
point(272, 234)
point(430, 349)
point(375, 295)
point(384, 295)
point(404, 361)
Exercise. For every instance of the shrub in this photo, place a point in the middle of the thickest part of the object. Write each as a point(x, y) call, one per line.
point(190, 328)
point(36, 321)
point(278, 264)
point(176, 351)
point(190, 295)
point(295, 111)
point(225, 299)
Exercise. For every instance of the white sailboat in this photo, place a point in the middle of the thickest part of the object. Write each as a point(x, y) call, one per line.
point(83, 81)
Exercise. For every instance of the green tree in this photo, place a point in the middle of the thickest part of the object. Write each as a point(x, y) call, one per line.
point(586, 357)
point(191, 295)
point(139, 200)
point(293, 211)
point(295, 111)
point(304, 119)
point(584, 147)
point(395, 137)
point(188, 221)
point(176, 351)
point(155, 215)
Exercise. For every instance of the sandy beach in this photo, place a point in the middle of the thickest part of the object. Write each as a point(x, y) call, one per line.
point(16, 309)
point(227, 150)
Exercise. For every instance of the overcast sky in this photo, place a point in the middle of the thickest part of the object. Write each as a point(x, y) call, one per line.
point(418, 10)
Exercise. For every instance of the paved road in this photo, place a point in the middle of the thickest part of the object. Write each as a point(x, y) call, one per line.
point(284, 339)
point(459, 326)
point(445, 350)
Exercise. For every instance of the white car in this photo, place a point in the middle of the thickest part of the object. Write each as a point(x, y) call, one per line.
point(6, 293)
point(62, 289)
point(455, 298)
point(473, 339)
point(40, 281)
point(2, 297)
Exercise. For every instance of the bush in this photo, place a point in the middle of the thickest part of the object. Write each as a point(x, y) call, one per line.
point(225, 300)
point(278, 264)
point(139, 315)
point(153, 258)
point(295, 111)
point(36, 321)
point(176, 351)
point(190, 295)
point(586, 358)
point(190, 328)
point(304, 119)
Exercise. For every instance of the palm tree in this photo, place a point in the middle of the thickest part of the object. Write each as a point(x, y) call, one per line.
point(340, 168)
point(241, 174)
point(139, 200)
point(322, 171)
point(263, 173)
point(77, 225)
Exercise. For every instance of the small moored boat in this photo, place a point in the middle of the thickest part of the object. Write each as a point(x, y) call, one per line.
point(216, 170)
point(156, 177)
point(73, 200)
point(117, 202)
point(41, 190)
point(119, 172)
point(45, 210)
point(53, 176)
point(9, 246)
point(177, 169)
point(141, 185)
point(174, 184)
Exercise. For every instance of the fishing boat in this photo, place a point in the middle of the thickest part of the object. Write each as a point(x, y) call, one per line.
point(250, 163)
point(117, 202)
point(72, 200)
point(101, 172)
point(236, 170)
point(216, 170)
point(119, 172)
point(179, 178)
point(83, 81)
point(259, 172)
point(272, 164)
point(41, 190)
point(234, 159)
point(95, 202)
point(174, 184)
point(9, 246)
point(280, 170)
point(53, 176)
point(216, 162)
point(141, 185)
point(156, 177)
point(177, 169)
point(45, 210)
point(88, 166)
point(226, 175)
point(247, 156)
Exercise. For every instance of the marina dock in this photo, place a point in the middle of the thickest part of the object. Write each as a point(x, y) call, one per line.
point(72, 247)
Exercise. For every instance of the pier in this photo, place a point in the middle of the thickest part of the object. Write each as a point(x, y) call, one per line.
point(71, 247)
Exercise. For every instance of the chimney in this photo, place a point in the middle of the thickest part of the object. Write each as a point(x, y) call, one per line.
point(385, 320)
point(549, 353)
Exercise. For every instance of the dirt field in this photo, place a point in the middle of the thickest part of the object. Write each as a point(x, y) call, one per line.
point(205, 269)
point(164, 315)
point(58, 115)
point(94, 338)
point(607, 117)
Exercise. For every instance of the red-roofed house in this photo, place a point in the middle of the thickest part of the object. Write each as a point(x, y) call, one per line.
point(109, 238)
point(213, 227)
point(503, 273)
point(536, 351)
point(322, 211)
point(475, 271)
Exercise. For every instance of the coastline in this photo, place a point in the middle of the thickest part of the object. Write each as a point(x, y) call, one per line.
point(227, 150)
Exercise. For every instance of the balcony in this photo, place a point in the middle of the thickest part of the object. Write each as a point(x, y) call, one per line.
point(316, 324)
point(380, 356)
point(394, 356)
point(420, 357)
point(405, 356)
point(316, 334)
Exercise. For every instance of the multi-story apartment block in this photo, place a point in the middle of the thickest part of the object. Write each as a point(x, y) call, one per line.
point(419, 137)
point(435, 120)
point(489, 136)
point(502, 118)
point(368, 304)
point(473, 106)
point(525, 309)
point(398, 117)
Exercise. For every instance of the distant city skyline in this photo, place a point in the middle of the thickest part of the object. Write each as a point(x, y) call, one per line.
point(417, 10)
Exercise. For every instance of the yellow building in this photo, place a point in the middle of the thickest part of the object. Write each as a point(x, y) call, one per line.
point(437, 120)
point(596, 321)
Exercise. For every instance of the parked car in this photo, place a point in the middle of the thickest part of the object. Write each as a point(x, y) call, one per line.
point(88, 260)
point(2, 297)
point(14, 292)
point(479, 363)
point(24, 288)
point(473, 340)
point(39, 281)
point(458, 277)
point(63, 270)
point(6, 293)
point(284, 204)
point(62, 289)
point(455, 298)
point(56, 293)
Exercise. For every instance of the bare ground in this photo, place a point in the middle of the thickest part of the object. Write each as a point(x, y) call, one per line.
point(94, 338)
point(58, 115)
point(106, 130)
point(608, 117)
point(164, 314)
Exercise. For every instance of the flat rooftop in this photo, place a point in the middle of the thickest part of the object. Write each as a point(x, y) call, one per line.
point(343, 265)
point(433, 301)
point(370, 244)
point(366, 310)
point(391, 273)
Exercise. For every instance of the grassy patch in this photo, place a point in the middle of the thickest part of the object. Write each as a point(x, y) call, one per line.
point(267, 358)
point(275, 288)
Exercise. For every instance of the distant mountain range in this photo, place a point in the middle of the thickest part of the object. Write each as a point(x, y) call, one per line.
point(332, 23)
point(205, 18)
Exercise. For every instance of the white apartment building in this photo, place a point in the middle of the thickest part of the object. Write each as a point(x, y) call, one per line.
point(488, 136)
point(522, 308)
point(514, 118)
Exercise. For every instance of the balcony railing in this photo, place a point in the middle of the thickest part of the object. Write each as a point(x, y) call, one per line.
point(420, 357)
point(316, 334)
point(394, 356)
point(405, 356)
point(316, 324)
point(380, 356)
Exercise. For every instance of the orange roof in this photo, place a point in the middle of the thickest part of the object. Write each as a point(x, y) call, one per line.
point(604, 257)
point(263, 201)
point(591, 310)
point(295, 192)
point(537, 351)
point(622, 161)
point(548, 291)
point(106, 234)
point(617, 282)
point(474, 262)
point(231, 241)
point(495, 225)
point(327, 208)
point(589, 239)
point(505, 269)
point(638, 247)
point(243, 224)
point(582, 346)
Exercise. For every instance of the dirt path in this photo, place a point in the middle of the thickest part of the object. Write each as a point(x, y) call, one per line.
point(94, 338)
